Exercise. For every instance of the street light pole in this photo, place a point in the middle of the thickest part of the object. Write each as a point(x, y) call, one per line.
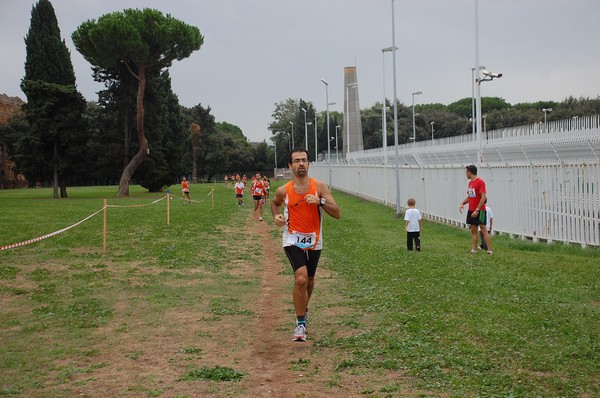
point(395, 115)
point(484, 126)
point(481, 67)
point(384, 108)
point(478, 105)
point(546, 110)
point(337, 155)
point(432, 132)
point(275, 144)
point(305, 132)
point(293, 141)
point(316, 153)
point(414, 137)
point(328, 144)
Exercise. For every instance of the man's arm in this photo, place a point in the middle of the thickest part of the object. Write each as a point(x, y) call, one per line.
point(276, 204)
point(331, 207)
point(462, 204)
point(481, 202)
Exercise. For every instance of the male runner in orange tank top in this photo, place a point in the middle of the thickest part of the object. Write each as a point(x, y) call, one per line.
point(305, 199)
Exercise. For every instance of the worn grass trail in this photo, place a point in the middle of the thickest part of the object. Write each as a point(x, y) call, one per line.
point(523, 322)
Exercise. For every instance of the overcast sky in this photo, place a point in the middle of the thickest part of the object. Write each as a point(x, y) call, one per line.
point(260, 52)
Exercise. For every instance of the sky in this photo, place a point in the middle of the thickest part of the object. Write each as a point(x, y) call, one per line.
point(257, 53)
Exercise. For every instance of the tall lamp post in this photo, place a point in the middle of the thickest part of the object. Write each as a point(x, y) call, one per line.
point(546, 110)
point(384, 107)
point(481, 67)
point(489, 76)
point(293, 141)
point(484, 127)
point(414, 137)
point(328, 140)
point(305, 130)
point(316, 153)
point(275, 144)
point(394, 48)
point(432, 132)
point(337, 155)
point(289, 142)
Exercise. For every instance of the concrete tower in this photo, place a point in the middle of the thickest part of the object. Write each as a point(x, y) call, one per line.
point(353, 139)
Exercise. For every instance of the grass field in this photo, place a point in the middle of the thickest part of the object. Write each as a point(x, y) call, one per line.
point(524, 322)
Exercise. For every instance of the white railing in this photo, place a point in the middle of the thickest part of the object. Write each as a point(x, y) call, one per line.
point(542, 184)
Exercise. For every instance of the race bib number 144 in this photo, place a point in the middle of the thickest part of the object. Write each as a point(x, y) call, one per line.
point(302, 240)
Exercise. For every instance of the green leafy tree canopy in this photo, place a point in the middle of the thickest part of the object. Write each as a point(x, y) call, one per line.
point(141, 40)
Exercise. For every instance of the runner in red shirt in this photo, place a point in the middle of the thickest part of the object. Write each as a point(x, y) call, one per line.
point(185, 190)
point(258, 194)
point(476, 214)
point(239, 192)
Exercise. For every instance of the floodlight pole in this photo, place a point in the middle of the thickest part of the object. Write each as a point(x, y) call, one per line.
point(394, 48)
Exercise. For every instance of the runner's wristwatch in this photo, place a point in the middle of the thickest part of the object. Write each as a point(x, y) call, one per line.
point(322, 202)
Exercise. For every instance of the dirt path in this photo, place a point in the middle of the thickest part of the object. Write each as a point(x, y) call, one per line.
point(272, 349)
point(142, 356)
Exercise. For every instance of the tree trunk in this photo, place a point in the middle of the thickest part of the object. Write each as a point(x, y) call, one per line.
point(144, 149)
point(127, 142)
point(55, 171)
point(129, 170)
point(63, 188)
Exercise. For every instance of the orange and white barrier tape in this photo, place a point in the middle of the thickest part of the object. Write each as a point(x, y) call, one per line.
point(147, 204)
point(194, 201)
point(29, 241)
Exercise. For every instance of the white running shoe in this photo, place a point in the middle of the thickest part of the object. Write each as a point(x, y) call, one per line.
point(300, 333)
point(473, 251)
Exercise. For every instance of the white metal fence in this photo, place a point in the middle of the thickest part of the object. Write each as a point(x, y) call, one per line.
point(543, 181)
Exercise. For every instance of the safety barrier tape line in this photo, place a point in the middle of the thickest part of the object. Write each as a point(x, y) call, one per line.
point(48, 235)
point(29, 241)
point(195, 201)
point(132, 206)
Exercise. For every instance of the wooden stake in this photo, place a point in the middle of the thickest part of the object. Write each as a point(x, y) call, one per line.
point(104, 231)
point(168, 209)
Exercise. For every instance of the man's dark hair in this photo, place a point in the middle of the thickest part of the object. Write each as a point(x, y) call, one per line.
point(297, 150)
point(472, 169)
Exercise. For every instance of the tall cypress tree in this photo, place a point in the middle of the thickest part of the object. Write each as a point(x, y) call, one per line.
point(54, 106)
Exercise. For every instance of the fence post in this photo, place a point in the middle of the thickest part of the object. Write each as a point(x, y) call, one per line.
point(168, 208)
point(104, 229)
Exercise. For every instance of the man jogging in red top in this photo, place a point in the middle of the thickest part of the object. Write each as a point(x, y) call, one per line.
point(258, 194)
point(185, 190)
point(476, 216)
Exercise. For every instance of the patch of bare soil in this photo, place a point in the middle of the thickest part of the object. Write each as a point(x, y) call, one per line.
point(142, 357)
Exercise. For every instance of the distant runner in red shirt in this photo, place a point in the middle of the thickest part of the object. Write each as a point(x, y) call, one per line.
point(185, 190)
point(239, 192)
point(476, 214)
point(258, 194)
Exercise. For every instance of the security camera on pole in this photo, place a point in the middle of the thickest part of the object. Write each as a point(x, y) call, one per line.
point(489, 76)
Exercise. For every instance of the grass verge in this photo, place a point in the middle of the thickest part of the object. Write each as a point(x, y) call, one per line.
point(523, 322)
